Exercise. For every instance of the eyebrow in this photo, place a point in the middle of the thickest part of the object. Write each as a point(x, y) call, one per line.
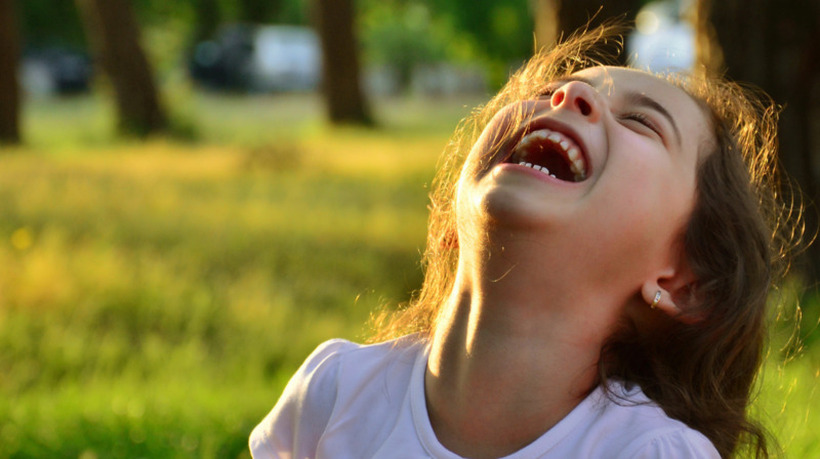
point(642, 100)
point(633, 98)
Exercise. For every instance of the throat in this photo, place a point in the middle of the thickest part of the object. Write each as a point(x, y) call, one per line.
point(495, 416)
point(490, 392)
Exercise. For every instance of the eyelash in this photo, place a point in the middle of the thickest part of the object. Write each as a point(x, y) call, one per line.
point(643, 119)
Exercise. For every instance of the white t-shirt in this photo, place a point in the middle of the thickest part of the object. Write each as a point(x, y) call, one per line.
point(354, 401)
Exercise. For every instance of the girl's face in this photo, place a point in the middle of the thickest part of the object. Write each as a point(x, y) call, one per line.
point(598, 172)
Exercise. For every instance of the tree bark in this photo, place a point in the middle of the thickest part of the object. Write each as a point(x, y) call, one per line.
point(335, 21)
point(9, 85)
point(547, 29)
point(776, 46)
point(556, 18)
point(114, 35)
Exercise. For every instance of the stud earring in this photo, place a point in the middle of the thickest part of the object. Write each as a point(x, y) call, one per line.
point(655, 300)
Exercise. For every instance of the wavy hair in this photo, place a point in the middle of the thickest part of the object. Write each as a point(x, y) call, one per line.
point(737, 242)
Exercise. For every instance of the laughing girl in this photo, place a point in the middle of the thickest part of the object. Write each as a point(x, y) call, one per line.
point(601, 244)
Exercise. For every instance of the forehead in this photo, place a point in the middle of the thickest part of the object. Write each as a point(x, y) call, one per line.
point(616, 81)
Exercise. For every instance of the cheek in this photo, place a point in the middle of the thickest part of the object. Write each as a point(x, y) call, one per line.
point(465, 208)
point(494, 133)
point(648, 182)
point(652, 206)
point(641, 216)
point(498, 132)
point(631, 193)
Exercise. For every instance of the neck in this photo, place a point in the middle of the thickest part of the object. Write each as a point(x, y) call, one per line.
point(513, 352)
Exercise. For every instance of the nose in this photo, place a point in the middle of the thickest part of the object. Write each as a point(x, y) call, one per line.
point(578, 97)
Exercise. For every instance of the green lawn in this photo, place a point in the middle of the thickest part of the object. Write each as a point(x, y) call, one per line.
point(155, 297)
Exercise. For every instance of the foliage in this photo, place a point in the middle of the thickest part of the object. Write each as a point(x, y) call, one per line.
point(401, 37)
point(400, 34)
point(407, 33)
point(503, 31)
point(40, 26)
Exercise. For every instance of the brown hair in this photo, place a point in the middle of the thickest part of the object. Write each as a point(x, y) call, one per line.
point(736, 242)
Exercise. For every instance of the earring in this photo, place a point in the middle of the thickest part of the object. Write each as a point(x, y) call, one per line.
point(655, 300)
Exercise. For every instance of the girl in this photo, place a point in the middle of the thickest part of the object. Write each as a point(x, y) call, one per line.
point(596, 280)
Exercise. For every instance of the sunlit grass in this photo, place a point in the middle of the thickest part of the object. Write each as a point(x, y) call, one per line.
point(155, 297)
point(791, 403)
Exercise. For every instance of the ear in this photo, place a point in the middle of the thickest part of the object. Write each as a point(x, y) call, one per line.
point(677, 297)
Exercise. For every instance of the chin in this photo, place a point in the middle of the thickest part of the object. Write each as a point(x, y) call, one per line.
point(509, 208)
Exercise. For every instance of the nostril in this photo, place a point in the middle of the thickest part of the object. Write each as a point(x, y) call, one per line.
point(583, 106)
point(557, 98)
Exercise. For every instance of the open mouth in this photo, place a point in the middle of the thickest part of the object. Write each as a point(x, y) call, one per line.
point(551, 153)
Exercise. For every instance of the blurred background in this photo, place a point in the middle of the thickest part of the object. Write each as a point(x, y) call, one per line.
point(194, 194)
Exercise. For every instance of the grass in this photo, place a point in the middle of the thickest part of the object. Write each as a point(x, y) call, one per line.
point(155, 297)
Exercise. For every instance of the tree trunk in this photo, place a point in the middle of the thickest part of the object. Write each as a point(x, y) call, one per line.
point(547, 29)
point(340, 62)
point(207, 17)
point(9, 86)
point(776, 46)
point(113, 32)
point(556, 18)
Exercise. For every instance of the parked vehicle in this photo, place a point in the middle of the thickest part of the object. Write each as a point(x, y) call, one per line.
point(259, 58)
point(55, 70)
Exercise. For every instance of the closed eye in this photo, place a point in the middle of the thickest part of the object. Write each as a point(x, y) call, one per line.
point(643, 120)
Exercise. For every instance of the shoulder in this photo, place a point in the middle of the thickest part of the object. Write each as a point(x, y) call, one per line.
point(333, 375)
point(306, 401)
point(375, 376)
point(338, 361)
point(646, 431)
point(344, 362)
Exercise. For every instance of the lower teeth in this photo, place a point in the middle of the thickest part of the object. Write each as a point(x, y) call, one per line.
point(538, 168)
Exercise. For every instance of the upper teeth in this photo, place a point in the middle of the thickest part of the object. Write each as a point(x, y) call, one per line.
point(576, 163)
